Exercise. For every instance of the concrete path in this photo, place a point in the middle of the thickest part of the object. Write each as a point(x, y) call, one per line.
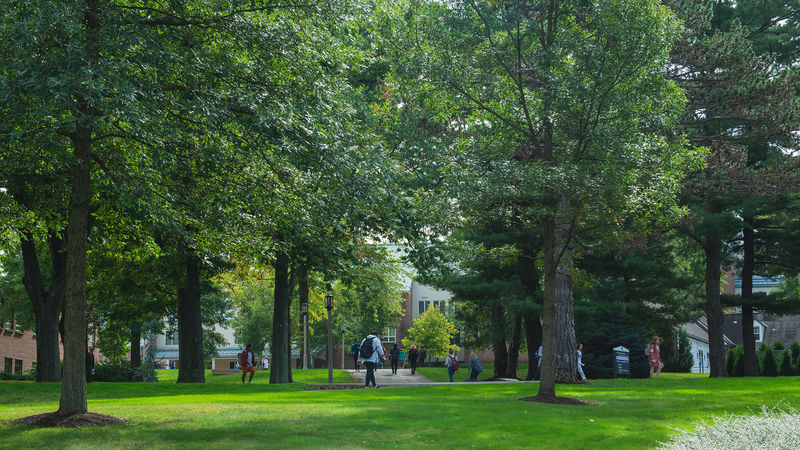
point(384, 377)
point(403, 377)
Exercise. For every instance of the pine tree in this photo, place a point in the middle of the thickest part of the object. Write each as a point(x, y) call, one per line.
point(787, 369)
point(769, 367)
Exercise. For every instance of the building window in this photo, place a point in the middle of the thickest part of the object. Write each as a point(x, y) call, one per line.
point(757, 333)
point(232, 365)
point(17, 365)
point(441, 304)
point(171, 338)
point(391, 334)
point(423, 306)
point(8, 365)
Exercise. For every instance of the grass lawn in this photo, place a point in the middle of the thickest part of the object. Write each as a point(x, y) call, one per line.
point(225, 413)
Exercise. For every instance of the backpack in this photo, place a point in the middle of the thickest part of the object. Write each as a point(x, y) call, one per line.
point(648, 350)
point(480, 366)
point(366, 348)
point(453, 363)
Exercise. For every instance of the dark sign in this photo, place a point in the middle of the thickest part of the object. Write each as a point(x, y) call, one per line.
point(622, 362)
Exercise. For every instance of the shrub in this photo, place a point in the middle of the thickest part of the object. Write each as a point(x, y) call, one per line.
point(115, 371)
point(19, 376)
point(773, 428)
point(786, 364)
point(795, 347)
point(730, 359)
point(778, 345)
point(681, 360)
point(769, 368)
point(763, 347)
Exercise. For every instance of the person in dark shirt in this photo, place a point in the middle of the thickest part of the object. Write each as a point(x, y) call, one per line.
point(394, 356)
point(413, 354)
point(354, 349)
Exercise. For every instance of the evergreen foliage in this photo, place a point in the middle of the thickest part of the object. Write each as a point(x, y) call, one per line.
point(778, 346)
point(769, 366)
point(681, 360)
point(795, 347)
point(787, 369)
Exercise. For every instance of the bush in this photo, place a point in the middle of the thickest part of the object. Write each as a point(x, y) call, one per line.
point(731, 357)
point(28, 375)
point(778, 345)
point(682, 360)
point(769, 368)
point(147, 372)
point(773, 428)
point(114, 371)
point(795, 347)
point(763, 347)
point(786, 364)
point(735, 361)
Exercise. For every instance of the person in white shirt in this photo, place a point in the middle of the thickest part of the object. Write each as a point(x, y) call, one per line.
point(580, 362)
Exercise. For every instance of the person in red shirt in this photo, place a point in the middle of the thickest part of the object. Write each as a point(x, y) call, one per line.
point(654, 357)
point(247, 361)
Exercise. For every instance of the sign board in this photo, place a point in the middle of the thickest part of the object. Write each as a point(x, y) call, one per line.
point(622, 362)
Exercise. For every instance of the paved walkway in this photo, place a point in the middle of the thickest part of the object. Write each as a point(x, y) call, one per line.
point(403, 377)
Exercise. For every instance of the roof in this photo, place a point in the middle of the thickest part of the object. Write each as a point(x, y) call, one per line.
point(698, 330)
point(761, 282)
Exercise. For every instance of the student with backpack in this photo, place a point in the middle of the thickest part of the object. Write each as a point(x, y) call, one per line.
point(451, 361)
point(654, 357)
point(413, 354)
point(475, 367)
point(371, 351)
point(394, 355)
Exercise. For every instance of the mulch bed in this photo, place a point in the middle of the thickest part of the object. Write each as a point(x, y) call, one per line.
point(84, 420)
point(557, 401)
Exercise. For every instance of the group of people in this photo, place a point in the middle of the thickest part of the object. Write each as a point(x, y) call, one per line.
point(398, 358)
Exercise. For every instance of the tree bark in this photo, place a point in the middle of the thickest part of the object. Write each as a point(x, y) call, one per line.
point(547, 385)
point(533, 335)
point(279, 372)
point(566, 365)
point(748, 338)
point(302, 286)
point(513, 346)
point(499, 341)
point(716, 345)
point(73, 380)
point(190, 324)
point(136, 351)
point(46, 304)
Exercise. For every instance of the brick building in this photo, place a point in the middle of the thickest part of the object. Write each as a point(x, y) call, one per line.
point(17, 348)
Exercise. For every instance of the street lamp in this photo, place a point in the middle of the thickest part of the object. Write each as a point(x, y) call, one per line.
point(304, 311)
point(344, 328)
point(329, 307)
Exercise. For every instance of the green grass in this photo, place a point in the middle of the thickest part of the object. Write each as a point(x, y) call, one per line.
point(624, 413)
point(262, 376)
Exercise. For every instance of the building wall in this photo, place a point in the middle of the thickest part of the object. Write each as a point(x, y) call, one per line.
point(700, 356)
point(17, 346)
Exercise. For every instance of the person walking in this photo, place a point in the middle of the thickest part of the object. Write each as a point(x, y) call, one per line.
point(354, 350)
point(247, 360)
point(402, 359)
point(413, 354)
point(580, 362)
point(394, 356)
point(265, 363)
point(539, 363)
point(371, 351)
point(475, 367)
point(451, 361)
point(422, 356)
point(654, 357)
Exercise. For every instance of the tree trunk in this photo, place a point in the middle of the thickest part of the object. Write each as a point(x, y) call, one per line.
point(73, 380)
point(136, 351)
point(547, 385)
point(289, 294)
point(716, 345)
point(190, 325)
point(533, 335)
point(513, 346)
point(499, 342)
point(46, 304)
point(302, 286)
point(566, 365)
point(748, 338)
point(279, 372)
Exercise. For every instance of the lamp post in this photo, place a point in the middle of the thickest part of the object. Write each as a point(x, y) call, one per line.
point(344, 328)
point(329, 307)
point(304, 311)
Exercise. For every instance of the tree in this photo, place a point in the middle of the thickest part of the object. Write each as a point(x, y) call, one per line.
point(787, 369)
point(432, 330)
point(556, 90)
point(769, 366)
point(682, 360)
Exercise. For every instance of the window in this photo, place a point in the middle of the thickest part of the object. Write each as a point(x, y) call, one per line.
point(17, 365)
point(423, 306)
point(391, 334)
point(171, 338)
point(757, 333)
point(8, 363)
point(232, 365)
point(441, 304)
